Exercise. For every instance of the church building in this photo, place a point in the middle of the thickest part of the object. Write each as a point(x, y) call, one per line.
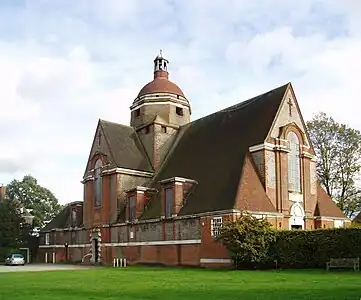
point(158, 191)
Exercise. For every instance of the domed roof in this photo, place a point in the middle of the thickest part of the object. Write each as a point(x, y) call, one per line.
point(161, 85)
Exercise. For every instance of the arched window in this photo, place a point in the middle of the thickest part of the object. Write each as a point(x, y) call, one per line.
point(98, 183)
point(294, 170)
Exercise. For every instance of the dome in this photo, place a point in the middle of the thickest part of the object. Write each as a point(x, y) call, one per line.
point(161, 85)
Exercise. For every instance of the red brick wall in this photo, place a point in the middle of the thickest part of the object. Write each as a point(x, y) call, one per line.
point(310, 224)
point(190, 255)
point(96, 216)
point(74, 254)
point(210, 248)
point(170, 255)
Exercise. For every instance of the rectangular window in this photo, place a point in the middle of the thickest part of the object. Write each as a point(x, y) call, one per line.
point(164, 129)
point(132, 206)
point(47, 238)
point(168, 202)
point(137, 113)
point(338, 224)
point(216, 224)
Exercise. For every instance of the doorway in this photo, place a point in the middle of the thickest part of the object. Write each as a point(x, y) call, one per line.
point(95, 250)
point(297, 221)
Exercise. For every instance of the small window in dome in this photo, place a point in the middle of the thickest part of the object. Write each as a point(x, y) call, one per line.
point(179, 111)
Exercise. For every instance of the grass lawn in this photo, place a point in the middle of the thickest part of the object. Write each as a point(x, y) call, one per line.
point(173, 284)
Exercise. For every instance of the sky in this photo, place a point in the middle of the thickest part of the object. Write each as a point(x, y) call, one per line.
point(66, 63)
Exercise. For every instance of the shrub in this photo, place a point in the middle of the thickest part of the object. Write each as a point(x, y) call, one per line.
point(248, 240)
point(313, 248)
point(252, 242)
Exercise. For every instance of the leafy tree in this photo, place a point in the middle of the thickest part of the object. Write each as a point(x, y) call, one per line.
point(31, 195)
point(338, 151)
point(248, 240)
point(10, 226)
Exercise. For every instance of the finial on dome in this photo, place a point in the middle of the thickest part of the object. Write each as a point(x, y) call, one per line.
point(160, 65)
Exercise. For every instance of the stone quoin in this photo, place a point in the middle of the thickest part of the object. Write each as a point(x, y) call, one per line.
point(158, 191)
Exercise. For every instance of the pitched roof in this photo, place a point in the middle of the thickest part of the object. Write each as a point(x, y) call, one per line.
point(325, 207)
point(126, 149)
point(63, 219)
point(59, 221)
point(212, 151)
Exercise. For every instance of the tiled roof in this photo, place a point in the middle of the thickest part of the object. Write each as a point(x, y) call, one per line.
point(161, 85)
point(63, 219)
point(125, 147)
point(325, 207)
point(212, 151)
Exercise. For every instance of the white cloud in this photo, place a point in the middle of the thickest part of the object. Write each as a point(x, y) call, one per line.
point(66, 64)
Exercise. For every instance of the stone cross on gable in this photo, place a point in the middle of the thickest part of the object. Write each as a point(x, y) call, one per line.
point(290, 104)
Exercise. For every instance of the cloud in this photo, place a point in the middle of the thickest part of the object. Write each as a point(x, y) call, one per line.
point(64, 64)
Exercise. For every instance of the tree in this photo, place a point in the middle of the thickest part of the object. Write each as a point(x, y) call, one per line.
point(31, 195)
point(10, 226)
point(248, 240)
point(338, 151)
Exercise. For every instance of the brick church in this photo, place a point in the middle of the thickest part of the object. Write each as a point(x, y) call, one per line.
point(157, 191)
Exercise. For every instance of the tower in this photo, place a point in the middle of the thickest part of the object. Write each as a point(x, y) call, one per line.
point(158, 111)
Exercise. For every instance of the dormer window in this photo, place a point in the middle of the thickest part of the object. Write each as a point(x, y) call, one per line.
point(169, 201)
point(179, 111)
point(136, 200)
point(176, 191)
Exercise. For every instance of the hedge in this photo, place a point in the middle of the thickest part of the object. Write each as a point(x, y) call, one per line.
point(313, 248)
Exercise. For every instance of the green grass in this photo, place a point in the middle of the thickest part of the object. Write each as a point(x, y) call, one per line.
point(173, 284)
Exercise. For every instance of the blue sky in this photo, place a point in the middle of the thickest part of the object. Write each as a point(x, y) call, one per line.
point(66, 63)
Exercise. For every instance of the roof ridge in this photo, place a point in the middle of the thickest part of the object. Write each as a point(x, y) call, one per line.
point(253, 99)
point(115, 123)
point(107, 141)
point(240, 105)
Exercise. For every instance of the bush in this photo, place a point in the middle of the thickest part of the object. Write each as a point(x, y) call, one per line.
point(248, 240)
point(313, 248)
point(253, 243)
